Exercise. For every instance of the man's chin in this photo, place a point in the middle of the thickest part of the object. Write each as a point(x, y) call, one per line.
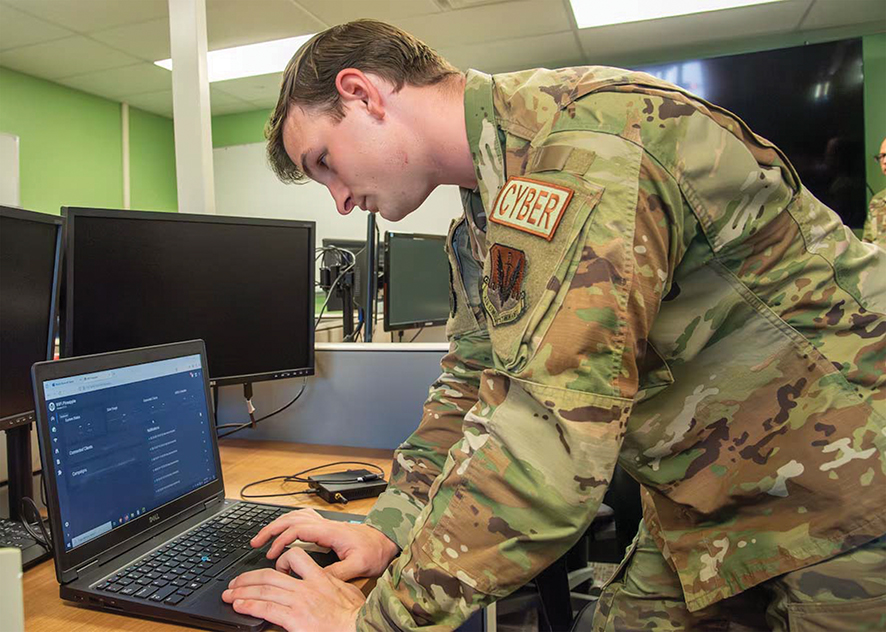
point(394, 215)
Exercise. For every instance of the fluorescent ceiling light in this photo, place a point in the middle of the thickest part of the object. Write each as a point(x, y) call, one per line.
point(249, 60)
point(591, 13)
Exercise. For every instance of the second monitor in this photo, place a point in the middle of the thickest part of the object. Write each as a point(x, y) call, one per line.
point(244, 286)
point(416, 288)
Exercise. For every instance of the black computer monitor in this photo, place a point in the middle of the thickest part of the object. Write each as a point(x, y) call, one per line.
point(416, 288)
point(29, 257)
point(337, 252)
point(243, 285)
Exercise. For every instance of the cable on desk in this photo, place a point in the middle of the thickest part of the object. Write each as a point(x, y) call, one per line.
point(240, 426)
point(299, 477)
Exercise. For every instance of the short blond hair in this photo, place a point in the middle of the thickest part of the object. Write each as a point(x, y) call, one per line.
point(367, 45)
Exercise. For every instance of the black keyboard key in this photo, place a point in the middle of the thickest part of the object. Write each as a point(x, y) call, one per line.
point(143, 581)
point(124, 581)
point(163, 593)
point(159, 583)
point(184, 592)
point(179, 582)
point(113, 587)
point(129, 590)
point(145, 592)
point(223, 563)
point(173, 599)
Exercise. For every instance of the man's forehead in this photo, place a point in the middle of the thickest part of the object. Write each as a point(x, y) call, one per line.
point(298, 133)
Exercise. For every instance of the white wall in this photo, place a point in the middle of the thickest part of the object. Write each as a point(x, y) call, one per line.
point(246, 186)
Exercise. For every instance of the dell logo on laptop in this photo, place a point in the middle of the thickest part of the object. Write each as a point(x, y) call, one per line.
point(153, 518)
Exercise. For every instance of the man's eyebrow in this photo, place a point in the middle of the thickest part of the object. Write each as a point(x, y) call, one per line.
point(304, 166)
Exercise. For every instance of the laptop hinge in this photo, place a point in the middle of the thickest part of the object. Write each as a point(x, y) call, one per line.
point(74, 573)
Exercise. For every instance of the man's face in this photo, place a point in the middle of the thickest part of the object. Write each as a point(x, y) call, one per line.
point(883, 156)
point(364, 160)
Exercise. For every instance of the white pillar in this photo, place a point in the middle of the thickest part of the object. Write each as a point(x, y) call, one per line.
point(124, 116)
point(190, 105)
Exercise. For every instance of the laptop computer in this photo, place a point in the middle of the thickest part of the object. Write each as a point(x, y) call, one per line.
point(139, 520)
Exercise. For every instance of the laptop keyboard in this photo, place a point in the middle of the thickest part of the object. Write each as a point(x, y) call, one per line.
point(12, 533)
point(183, 566)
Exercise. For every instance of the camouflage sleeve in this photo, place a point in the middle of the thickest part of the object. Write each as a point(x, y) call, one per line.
point(419, 460)
point(875, 223)
point(526, 479)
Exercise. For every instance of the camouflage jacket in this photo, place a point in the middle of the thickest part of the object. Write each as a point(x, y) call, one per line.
point(658, 289)
point(875, 225)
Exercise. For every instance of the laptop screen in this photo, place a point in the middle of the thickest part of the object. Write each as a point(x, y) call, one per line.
point(126, 441)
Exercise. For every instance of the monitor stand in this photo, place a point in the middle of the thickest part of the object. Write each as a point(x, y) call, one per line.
point(21, 471)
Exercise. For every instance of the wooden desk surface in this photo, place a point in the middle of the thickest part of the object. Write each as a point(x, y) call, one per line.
point(242, 462)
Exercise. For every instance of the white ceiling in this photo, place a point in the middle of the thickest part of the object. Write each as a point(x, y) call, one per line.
point(106, 47)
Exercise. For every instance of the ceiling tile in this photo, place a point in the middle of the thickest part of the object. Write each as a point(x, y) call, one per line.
point(223, 103)
point(231, 108)
point(86, 16)
point(552, 51)
point(146, 40)
point(235, 22)
point(261, 88)
point(828, 13)
point(20, 29)
point(264, 104)
point(140, 78)
point(483, 24)
point(608, 44)
point(340, 11)
point(221, 97)
point(156, 102)
point(65, 57)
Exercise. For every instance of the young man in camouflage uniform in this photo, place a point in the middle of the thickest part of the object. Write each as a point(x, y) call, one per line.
point(875, 226)
point(637, 278)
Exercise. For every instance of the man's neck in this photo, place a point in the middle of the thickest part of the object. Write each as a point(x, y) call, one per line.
point(439, 120)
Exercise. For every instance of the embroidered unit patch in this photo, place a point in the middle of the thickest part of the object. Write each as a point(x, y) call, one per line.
point(503, 294)
point(531, 206)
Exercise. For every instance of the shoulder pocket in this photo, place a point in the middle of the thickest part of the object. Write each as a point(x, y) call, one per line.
point(515, 299)
point(461, 305)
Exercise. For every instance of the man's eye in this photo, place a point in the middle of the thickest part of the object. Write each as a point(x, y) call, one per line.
point(322, 161)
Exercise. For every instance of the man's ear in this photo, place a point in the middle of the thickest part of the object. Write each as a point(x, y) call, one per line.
point(355, 87)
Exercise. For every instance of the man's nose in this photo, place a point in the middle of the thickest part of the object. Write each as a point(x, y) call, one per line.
point(344, 201)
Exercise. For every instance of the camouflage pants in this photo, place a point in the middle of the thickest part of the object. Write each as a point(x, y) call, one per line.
point(842, 594)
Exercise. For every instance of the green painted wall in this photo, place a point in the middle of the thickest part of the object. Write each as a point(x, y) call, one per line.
point(151, 162)
point(71, 148)
point(239, 129)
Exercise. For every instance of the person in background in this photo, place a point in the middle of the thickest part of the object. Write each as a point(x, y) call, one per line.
point(875, 225)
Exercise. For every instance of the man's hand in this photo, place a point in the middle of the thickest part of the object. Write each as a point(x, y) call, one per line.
point(316, 603)
point(363, 551)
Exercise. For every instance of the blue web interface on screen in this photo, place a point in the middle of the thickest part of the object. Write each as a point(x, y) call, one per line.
point(126, 441)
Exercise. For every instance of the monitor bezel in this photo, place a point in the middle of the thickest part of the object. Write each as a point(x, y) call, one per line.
point(66, 326)
point(26, 417)
point(388, 326)
point(132, 533)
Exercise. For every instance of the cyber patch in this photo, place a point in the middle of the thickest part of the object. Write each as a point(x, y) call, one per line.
point(503, 294)
point(531, 206)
